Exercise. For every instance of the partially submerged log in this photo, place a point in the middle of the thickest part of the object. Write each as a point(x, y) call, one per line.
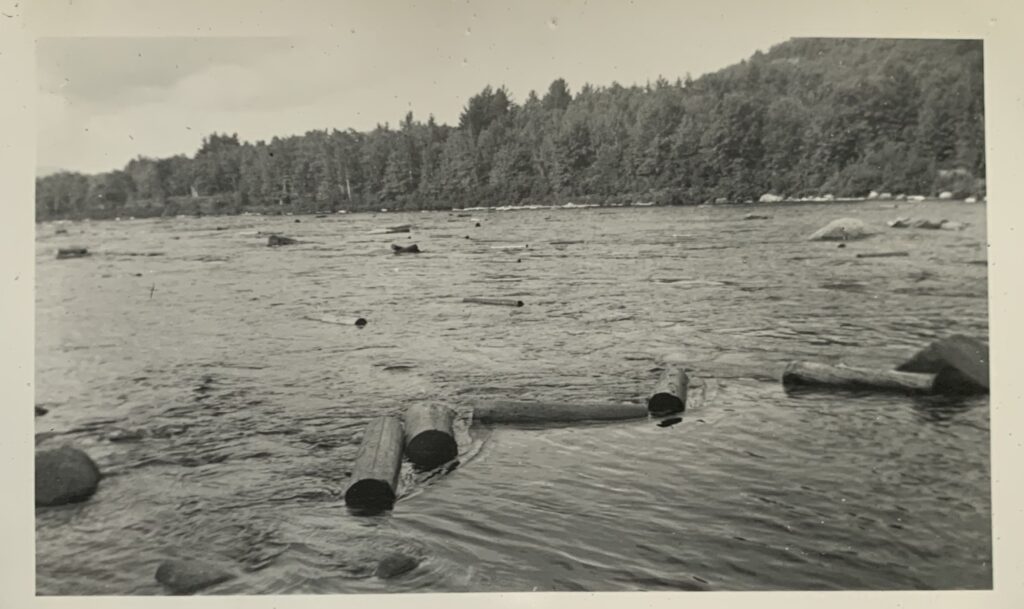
point(72, 252)
point(503, 302)
point(64, 475)
point(277, 240)
point(340, 321)
point(401, 228)
point(930, 224)
point(408, 249)
point(960, 364)
point(669, 395)
point(756, 217)
point(375, 472)
point(429, 439)
point(513, 412)
point(882, 254)
point(814, 374)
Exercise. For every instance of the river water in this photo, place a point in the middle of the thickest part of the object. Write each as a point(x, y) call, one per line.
point(226, 424)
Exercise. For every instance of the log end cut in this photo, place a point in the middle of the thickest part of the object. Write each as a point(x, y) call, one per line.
point(370, 494)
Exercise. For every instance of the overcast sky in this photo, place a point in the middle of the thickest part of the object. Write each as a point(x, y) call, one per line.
point(103, 101)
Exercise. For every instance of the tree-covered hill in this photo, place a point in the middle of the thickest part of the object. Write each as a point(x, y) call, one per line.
point(808, 117)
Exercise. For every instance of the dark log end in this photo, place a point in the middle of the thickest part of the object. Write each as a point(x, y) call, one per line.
point(431, 448)
point(519, 303)
point(361, 322)
point(370, 495)
point(665, 403)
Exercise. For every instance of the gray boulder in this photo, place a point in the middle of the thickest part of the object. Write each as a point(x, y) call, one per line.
point(843, 229)
point(64, 475)
point(395, 564)
point(188, 576)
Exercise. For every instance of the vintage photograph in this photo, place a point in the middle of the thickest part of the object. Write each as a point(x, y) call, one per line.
point(511, 298)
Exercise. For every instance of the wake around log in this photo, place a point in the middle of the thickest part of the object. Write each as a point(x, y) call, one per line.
point(429, 439)
point(514, 412)
point(375, 473)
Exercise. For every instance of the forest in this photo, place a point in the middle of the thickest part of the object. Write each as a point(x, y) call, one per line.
point(806, 118)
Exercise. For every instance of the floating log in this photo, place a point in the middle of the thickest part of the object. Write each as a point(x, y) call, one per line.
point(756, 217)
point(669, 395)
point(882, 254)
point(510, 247)
point(669, 422)
point(341, 321)
point(505, 411)
point(960, 364)
point(408, 249)
point(277, 240)
point(402, 228)
point(429, 439)
point(503, 302)
point(810, 373)
point(72, 252)
point(568, 242)
point(375, 473)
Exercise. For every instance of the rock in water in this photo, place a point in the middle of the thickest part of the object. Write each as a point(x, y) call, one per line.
point(960, 364)
point(843, 229)
point(188, 576)
point(276, 240)
point(394, 565)
point(64, 475)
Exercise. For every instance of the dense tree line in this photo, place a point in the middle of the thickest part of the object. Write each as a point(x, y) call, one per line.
point(810, 116)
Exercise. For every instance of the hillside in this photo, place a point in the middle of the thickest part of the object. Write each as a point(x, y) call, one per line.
point(808, 117)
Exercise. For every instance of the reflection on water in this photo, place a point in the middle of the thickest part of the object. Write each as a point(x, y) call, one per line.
point(226, 423)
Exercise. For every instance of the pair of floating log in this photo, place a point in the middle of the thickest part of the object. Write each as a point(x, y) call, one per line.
point(668, 397)
point(502, 302)
point(957, 365)
point(408, 249)
point(72, 252)
point(427, 440)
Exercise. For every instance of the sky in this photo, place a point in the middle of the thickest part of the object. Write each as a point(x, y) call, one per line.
point(104, 100)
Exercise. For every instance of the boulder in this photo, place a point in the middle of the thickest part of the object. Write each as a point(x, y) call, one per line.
point(885, 196)
point(945, 195)
point(899, 223)
point(959, 362)
point(915, 198)
point(929, 224)
point(64, 475)
point(188, 576)
point(395, 564)
point(873, 194)
point(721, 201)
point(41, 410)
point(276, 240)
point(947, 225)
point(971, 200)
point(843, 229)
point(769, 198)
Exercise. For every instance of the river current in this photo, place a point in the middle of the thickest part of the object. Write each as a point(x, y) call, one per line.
point(180, 358)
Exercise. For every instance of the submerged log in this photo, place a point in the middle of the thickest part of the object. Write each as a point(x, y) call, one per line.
point(843, 229)
point(65, 475)
point(513, 412)
point(375, 472)
point(408, 249)
point(810, 373)
point(72, 252)
point(960, 364)
point(669, 395)
point(429, 439)
point(402, 228)
point(882, 254)
point(504, 302)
